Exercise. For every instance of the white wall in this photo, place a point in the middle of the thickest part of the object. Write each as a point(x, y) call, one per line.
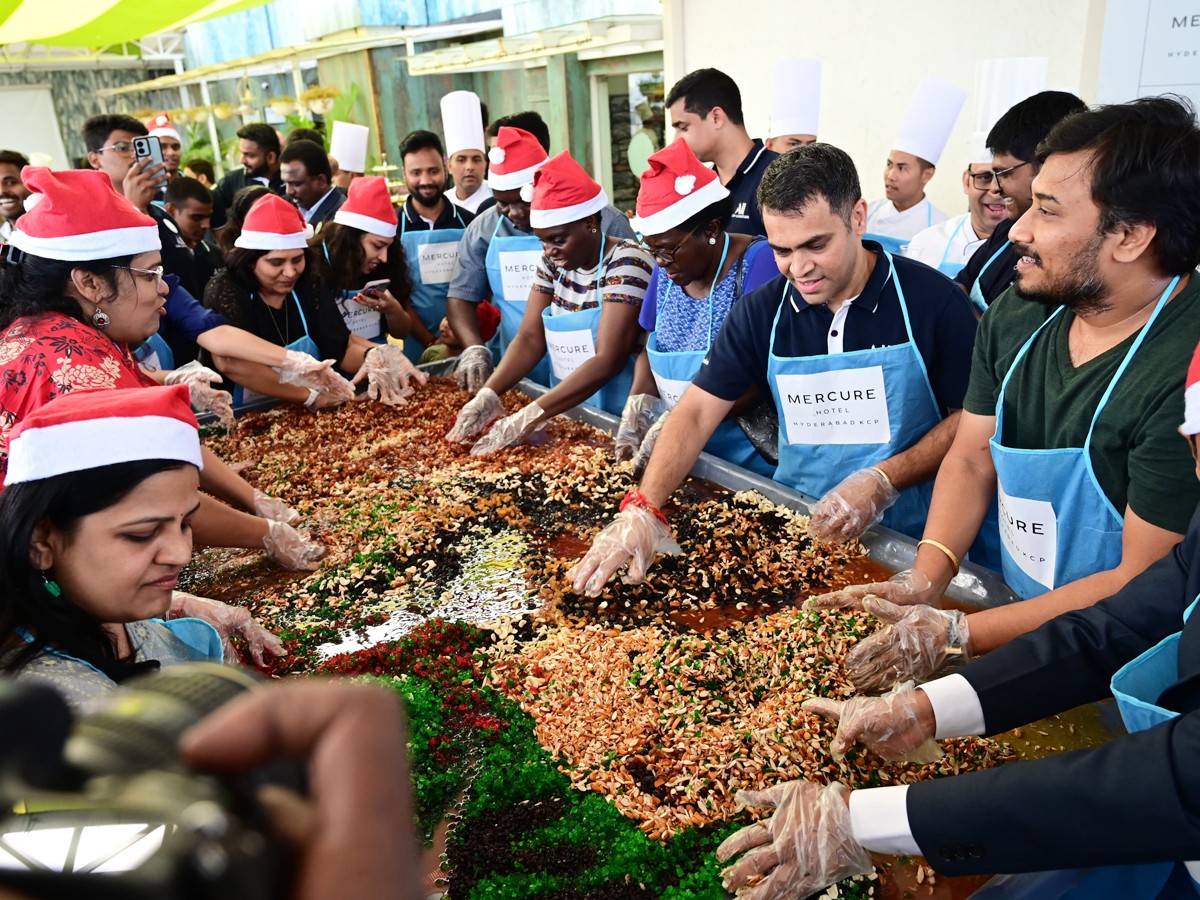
point(873, 53)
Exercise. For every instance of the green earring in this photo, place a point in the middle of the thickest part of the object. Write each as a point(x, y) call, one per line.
point(51, 586)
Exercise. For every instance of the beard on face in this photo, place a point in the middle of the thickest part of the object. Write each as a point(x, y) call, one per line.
point(1080, 289)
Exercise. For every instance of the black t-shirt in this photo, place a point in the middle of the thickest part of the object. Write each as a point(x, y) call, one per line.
point(999, 274)
point(176, 257)
point(228, 186)
point(208, 261)
point(280, 326)
point(743, 188)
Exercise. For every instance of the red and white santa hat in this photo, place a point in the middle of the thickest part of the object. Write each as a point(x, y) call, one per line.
point(675, 187)
point(514, 159)
point(76, 215)
point(89, 429)
point(160, 126)
point(1191, 397)
point(273, 224)
point(369, 208)
point(563, 192)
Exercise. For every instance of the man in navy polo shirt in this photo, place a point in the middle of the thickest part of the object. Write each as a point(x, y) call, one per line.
point(866, 356)
point(706, 111)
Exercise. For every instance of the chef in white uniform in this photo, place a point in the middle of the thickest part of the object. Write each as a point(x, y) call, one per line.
point(948, 245)
point(897, 218)
point(795, 104)
point(466, 149)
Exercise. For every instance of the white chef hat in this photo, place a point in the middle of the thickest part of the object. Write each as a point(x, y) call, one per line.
point(930, 119)
point(462, 122)
point(795, 97)
point(1000, 84)
point(348, 145)
point(977, 150)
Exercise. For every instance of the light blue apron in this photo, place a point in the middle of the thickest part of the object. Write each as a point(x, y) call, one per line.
point(842, 412)
point(976, 290)
point(361, 320)
point(951, 268)
point(303, 344)
point(1136, 686)
point(1056, 523)
point(571, 341)
point(673, 373)
point(511, 262)
point(200, 640)
point(155, 353)
point(425, 254)
point(893, 244)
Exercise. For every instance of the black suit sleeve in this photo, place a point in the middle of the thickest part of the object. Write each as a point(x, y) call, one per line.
point(1070, 659)
point(1133, 800)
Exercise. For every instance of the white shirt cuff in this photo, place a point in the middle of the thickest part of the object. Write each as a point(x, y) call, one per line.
point(956, 707)
point(879, 820)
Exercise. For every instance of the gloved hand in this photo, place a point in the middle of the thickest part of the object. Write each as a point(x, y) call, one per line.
point(640, 412)
point(907, 588)
point(897, 726)
point(634, 536)
point(228, 620)
point(290, 549)
point(389, 375)
point(642, 459)
point(806, 845)
point(269, 507)
point(474, 368)
point(205, 398)
point(510, 431)
point(857, 503)
point(476, 414)
point(316, 375)
point(916, 643)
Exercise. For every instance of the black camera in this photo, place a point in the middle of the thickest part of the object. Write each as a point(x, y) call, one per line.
point(101, 807)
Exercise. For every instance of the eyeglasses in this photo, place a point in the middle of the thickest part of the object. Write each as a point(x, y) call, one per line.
point(157, 272)
point(665, 257)
point(983, 180)
point(121, 148)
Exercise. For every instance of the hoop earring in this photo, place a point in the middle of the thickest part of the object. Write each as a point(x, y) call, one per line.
point(50, 585)
point(100, 318)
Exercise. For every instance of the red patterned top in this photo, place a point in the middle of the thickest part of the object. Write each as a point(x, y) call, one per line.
point(53, 354)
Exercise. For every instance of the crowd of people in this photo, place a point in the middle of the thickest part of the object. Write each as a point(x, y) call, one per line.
point(1007, 386)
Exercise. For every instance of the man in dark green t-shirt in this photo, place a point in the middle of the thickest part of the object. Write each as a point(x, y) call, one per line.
point(1075, 395)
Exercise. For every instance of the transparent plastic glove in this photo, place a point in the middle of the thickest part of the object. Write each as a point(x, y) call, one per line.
point(317, 375)
point(806, 845)
point(205, 398)
point(390, 375)
point(640, 412)
point(474, 368)
point(510, 431)
point(642, 459)
point(916, 643)
point(857, 503)
point(269, 507)
point(290, 549)
point(633, 537)
point(229, 621)
point(907, 588)
point(897, 726)
point(478, 412)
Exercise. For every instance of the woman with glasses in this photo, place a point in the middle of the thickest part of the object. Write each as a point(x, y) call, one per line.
point(582, 311)
point(267, 288)
point(81, 282)
point(702, 270)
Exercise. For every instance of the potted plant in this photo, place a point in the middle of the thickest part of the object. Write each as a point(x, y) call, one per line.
point(283, 105)
point(319, 100)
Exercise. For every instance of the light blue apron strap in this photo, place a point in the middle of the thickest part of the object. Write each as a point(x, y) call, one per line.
point(908, 331)
point(1187, 613)
point(1011, 369)
point(496, 230)
point(712, 289)
point(775, 324)
point(325, 250)
point(992, 259)
point(950, 242)
point(1087, 443)
point(303, 320)
point(928, 213)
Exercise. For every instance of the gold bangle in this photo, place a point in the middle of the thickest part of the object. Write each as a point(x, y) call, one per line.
point(949, 553)
point(884, 476)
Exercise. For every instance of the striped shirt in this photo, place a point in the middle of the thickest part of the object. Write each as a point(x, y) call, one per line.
point(626, 275)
